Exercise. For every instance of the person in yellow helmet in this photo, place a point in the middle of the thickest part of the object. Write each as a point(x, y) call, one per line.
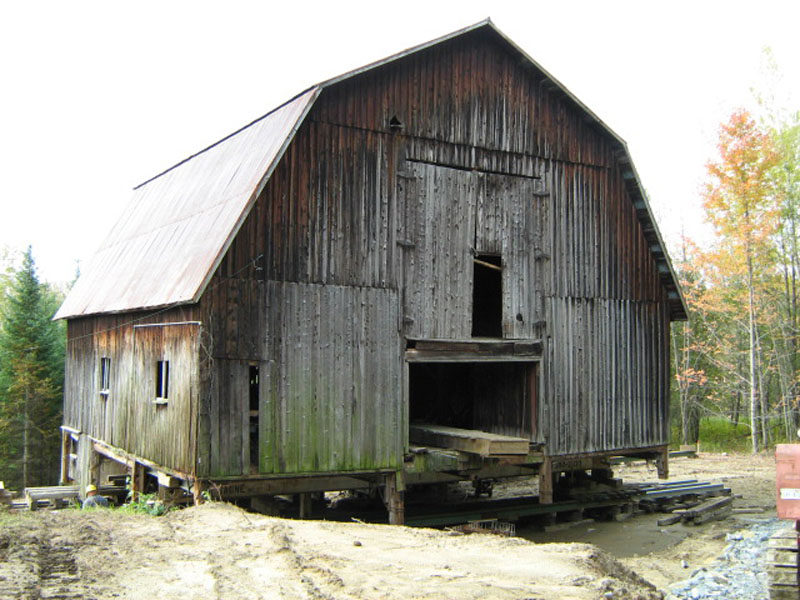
point(93, 498)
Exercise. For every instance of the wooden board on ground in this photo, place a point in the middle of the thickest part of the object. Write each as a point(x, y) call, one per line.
point(708, 510)
point(468, 440)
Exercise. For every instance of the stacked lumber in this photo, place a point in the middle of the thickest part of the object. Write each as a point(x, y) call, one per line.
point(782, 557)
point(469, 440)
point(715, 508)
point(55, 495)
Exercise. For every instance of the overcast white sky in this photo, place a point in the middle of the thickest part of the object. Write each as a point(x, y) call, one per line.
point(96, 97)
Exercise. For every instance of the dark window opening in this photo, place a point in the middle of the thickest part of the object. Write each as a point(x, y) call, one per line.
point(254, 403)
point(395, 124)
point(487, 296)
point(105, 375)
point(162, 379)
point(497, 397)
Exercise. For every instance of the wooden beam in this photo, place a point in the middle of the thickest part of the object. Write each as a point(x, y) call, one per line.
point(546, 481)
point(469, 440)
point(286, 485)
point(126, 458)
point(488, 265)
point(662, 464)
point(474, 351)
point(394, 499)
point(168, 481)
point(66, 439)
point(137, 473)
point(305, 505)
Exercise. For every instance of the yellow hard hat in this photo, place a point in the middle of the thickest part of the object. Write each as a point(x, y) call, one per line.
point(91, 488)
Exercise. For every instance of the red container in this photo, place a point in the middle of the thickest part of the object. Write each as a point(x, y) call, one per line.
point(787, 477)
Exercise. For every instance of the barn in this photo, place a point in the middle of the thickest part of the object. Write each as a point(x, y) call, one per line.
point(439, 266)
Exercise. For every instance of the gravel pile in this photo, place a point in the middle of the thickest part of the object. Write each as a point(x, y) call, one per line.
point(739, 572)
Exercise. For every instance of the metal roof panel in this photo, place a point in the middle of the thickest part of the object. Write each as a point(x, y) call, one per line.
point(176, 227)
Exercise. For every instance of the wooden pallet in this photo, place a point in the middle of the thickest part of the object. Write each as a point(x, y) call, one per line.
point(782, 571)
point(57, 496)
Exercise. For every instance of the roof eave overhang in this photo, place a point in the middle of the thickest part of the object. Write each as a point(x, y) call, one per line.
point(152, 310)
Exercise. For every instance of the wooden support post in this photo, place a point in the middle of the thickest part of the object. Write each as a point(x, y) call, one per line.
point(94, 466)
point(305, 505)
point(137, 472)
point(197, 491)
point(393, 498)
point(66, 439)
point(546, 481)
point(662, 464)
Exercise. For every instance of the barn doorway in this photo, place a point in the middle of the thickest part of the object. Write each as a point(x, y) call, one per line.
point(254, 413)
point(496, 397)
point(487, 296)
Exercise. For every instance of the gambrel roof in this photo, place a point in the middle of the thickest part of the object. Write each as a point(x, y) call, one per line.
point(178, 225)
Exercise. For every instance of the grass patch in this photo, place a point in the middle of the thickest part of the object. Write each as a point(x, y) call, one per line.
point(718, 434)
point(721, 435)
point(148, 504)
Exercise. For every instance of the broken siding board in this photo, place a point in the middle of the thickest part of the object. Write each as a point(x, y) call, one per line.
point(468, 440)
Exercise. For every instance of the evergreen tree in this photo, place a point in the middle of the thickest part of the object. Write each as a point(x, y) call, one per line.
point(31, 377)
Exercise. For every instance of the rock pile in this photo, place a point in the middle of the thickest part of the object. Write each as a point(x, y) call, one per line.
point(739, 572)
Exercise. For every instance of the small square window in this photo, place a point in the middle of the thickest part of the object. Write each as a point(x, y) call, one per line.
point(105, 376)
point(162, 379)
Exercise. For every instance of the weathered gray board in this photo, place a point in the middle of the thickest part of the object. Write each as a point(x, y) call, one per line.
point(468, 440)
point(451, 215)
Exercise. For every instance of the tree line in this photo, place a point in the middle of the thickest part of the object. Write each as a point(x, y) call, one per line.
point(31, 375)
point(737, 357)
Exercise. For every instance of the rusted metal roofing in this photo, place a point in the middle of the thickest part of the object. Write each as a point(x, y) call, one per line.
point(178, 225)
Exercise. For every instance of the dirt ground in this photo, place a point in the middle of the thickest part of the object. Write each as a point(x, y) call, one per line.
point(219, 551)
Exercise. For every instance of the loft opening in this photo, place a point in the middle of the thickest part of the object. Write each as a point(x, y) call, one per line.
point(487, 296)
point(496, 397)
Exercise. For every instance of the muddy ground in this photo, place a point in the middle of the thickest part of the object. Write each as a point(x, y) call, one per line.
point(219, 551)
point(752, 480)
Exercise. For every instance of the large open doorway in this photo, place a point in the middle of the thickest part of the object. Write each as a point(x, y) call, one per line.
point(496, 397)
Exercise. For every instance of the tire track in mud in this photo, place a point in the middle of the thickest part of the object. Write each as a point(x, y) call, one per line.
point(59, 577)
point(319, 582)
point(48, 568)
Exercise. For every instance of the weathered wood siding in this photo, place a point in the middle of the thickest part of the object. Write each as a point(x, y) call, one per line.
point(330, 376)
point(127, 418)
point(490, 159)
point(606, 375)
point(451, 215)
